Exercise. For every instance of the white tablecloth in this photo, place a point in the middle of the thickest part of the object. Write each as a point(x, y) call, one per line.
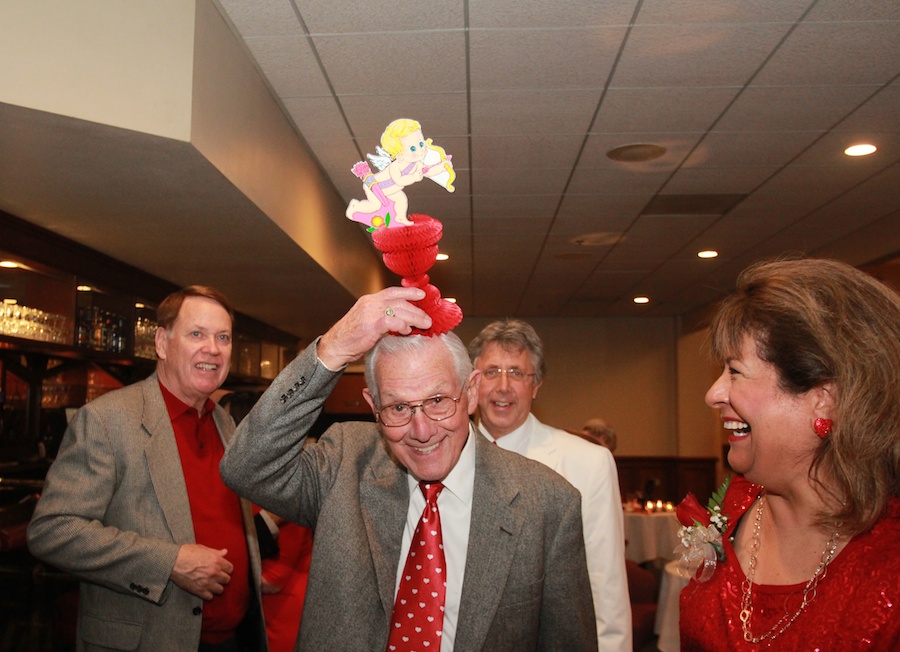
point(650, 536)
point(666, 626)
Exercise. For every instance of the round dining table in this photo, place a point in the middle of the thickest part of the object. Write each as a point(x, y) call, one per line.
point(667, 609)
point(650, 536)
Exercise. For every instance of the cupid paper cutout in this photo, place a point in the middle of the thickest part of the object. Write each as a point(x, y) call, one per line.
point(404, 157)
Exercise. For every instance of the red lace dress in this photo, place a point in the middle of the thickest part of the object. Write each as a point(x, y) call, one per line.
point(857, 606)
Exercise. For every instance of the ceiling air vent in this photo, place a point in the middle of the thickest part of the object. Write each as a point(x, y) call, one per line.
point(599, 239)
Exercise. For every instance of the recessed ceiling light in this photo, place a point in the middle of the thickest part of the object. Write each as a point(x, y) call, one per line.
point(860, 150)
point(636, 153)
point(83, 288)
point(708, 253)
point(139, 305)
point(9, 264)
point(10, 302)
point(443, 256)
point(641, 299)
point(450, 299)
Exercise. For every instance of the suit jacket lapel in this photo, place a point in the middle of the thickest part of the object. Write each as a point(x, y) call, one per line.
point(224, 424)
point(164, 464)
point(384, 498)
point(492, 540)
point(541, 444)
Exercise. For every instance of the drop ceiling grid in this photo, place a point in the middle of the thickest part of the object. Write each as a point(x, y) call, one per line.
point(536, 77)
point(848, 61)
point(550, 59)
point(792, 108)
point(685, 55)
point(637, 110)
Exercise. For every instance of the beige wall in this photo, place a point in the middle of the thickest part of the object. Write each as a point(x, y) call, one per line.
point(635, 373)
point(174, 69)
point(700, 432)
point(124, 64)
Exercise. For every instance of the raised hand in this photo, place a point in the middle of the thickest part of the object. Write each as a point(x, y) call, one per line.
point(372, 317)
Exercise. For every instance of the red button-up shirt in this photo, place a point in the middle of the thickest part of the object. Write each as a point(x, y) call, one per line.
point(215, 512)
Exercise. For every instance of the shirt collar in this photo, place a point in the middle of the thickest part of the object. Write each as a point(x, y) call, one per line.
point(176, 407)
point(517, 440)
point(461, 480)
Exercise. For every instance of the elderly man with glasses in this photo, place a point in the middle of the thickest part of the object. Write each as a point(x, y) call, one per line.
point(426, 536)
point(510, 356)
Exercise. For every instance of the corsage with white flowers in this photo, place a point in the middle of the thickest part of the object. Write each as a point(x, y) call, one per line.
point(703, 529)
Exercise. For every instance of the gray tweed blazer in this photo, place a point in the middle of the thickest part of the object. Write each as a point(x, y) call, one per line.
point(114, 511)
point(525, 586)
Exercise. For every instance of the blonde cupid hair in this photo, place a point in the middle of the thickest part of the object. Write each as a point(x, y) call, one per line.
point(400, 128)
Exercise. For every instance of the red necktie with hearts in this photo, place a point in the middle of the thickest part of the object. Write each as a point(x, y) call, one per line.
point(418, 617)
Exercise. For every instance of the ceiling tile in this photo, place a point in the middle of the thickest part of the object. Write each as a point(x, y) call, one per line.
point(715, 54)
point(848, 59)
point(532, 150)
point(791, 108)
point(359, 17)
point(547, 59)
point(317, 118)
point(723, 11)
point(524, 181)
point(426, 62)
point(739, 149)
point(854, 10)
point(532, 112)
point(442, 115)
point(541, 14)
point(270, 18)
point(730, 180)
point(289, 65)
point(640, 110)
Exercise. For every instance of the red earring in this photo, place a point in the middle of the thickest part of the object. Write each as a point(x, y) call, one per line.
point(823, 427)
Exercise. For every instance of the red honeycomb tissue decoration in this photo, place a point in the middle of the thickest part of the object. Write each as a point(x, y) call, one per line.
point(410, 252)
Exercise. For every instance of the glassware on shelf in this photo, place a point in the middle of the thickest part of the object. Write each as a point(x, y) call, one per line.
point(32, 323)
point(145, 338)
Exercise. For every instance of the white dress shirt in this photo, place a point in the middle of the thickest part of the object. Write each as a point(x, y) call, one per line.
point(592, 470)
point(455, 507)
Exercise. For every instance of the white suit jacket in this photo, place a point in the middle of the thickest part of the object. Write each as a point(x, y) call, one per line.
point(592, 470)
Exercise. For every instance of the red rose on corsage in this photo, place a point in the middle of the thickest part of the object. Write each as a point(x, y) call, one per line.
point(702, 529)
point(690, 513)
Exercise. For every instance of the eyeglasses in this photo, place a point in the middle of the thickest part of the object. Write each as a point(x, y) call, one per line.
point(513, 375)
point(436, 408)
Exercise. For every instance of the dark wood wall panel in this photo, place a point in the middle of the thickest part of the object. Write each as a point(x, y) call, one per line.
point(666, 478)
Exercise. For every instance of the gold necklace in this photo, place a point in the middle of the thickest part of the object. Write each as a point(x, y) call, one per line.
point(809, 591)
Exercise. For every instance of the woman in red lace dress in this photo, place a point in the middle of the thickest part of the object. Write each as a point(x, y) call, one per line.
point(803, 550)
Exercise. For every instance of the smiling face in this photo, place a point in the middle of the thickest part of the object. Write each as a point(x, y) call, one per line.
point(504, 404)
point(195, 352)
point(413, 147)
point(428, 449)
point(771, 433)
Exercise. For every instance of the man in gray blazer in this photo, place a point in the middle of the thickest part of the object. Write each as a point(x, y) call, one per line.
point(134, 506)
point(516, 576)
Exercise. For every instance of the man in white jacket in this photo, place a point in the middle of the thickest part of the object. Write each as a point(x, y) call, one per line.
point(510, 356)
